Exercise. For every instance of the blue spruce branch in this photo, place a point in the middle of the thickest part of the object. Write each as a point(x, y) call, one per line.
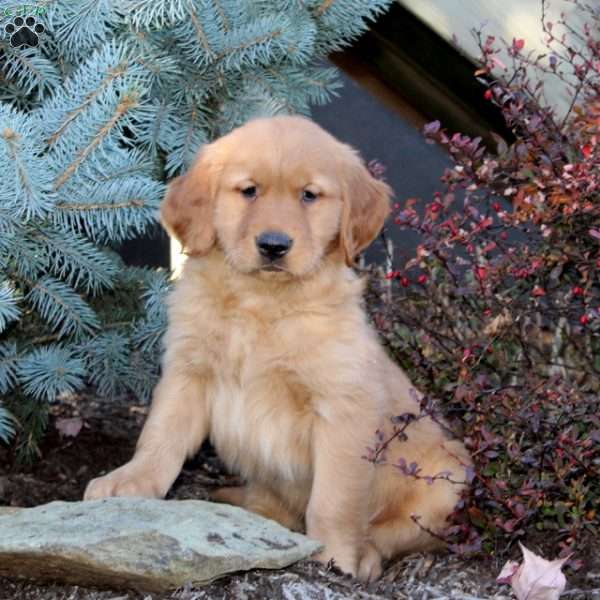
point(116, 99)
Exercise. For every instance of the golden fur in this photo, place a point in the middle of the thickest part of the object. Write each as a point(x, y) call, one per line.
point(280, 368)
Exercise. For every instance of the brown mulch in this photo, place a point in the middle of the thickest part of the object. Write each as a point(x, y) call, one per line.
point(107, 440)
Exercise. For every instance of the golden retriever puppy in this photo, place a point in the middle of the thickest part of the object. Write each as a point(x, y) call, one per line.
point(270, 355)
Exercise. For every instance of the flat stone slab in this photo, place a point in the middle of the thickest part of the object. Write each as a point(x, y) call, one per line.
point(151, 545)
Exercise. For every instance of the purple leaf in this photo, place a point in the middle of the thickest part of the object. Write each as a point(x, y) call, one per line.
point(431, 128)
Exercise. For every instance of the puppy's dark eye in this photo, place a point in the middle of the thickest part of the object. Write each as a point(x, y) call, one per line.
point(308, 196)
point(249, 192)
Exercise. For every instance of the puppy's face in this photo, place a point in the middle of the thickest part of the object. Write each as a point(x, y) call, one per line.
point(276, 195)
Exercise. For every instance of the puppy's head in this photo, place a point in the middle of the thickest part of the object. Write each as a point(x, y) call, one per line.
point(276, 195)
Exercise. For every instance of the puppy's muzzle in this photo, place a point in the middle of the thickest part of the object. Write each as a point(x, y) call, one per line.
point(273, 245)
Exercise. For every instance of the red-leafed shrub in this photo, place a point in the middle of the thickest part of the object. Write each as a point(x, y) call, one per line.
point(497, 317)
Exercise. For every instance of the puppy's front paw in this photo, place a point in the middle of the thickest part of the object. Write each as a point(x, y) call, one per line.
point(343, 559)
point(128, 480)
point(364, 565)
point(369, 566)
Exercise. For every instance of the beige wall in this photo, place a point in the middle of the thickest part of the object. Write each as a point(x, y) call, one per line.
point(505, 19)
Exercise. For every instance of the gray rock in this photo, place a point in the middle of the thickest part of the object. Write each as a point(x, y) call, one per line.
point(152, 545)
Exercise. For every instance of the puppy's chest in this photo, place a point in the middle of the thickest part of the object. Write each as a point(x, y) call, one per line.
point(242, 341)
point(260, 409)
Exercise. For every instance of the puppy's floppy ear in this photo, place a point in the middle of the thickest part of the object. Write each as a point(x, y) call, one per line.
point(187, 210)
point(366, 206)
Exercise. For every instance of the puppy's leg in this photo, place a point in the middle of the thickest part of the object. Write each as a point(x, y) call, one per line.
point(338, 509)
point(235, 495)
point(175, 428)
point(416, 509)
point(403, 536)
point(260, 500)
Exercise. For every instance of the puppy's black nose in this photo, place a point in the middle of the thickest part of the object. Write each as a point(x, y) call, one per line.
point(273, 244)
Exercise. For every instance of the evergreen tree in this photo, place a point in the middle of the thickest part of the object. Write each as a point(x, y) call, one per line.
point(115, 99)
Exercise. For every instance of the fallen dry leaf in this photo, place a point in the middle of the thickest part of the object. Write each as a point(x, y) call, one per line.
point(69, 427)
point(498, 323)
point(508, 570)
point(535, 578)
